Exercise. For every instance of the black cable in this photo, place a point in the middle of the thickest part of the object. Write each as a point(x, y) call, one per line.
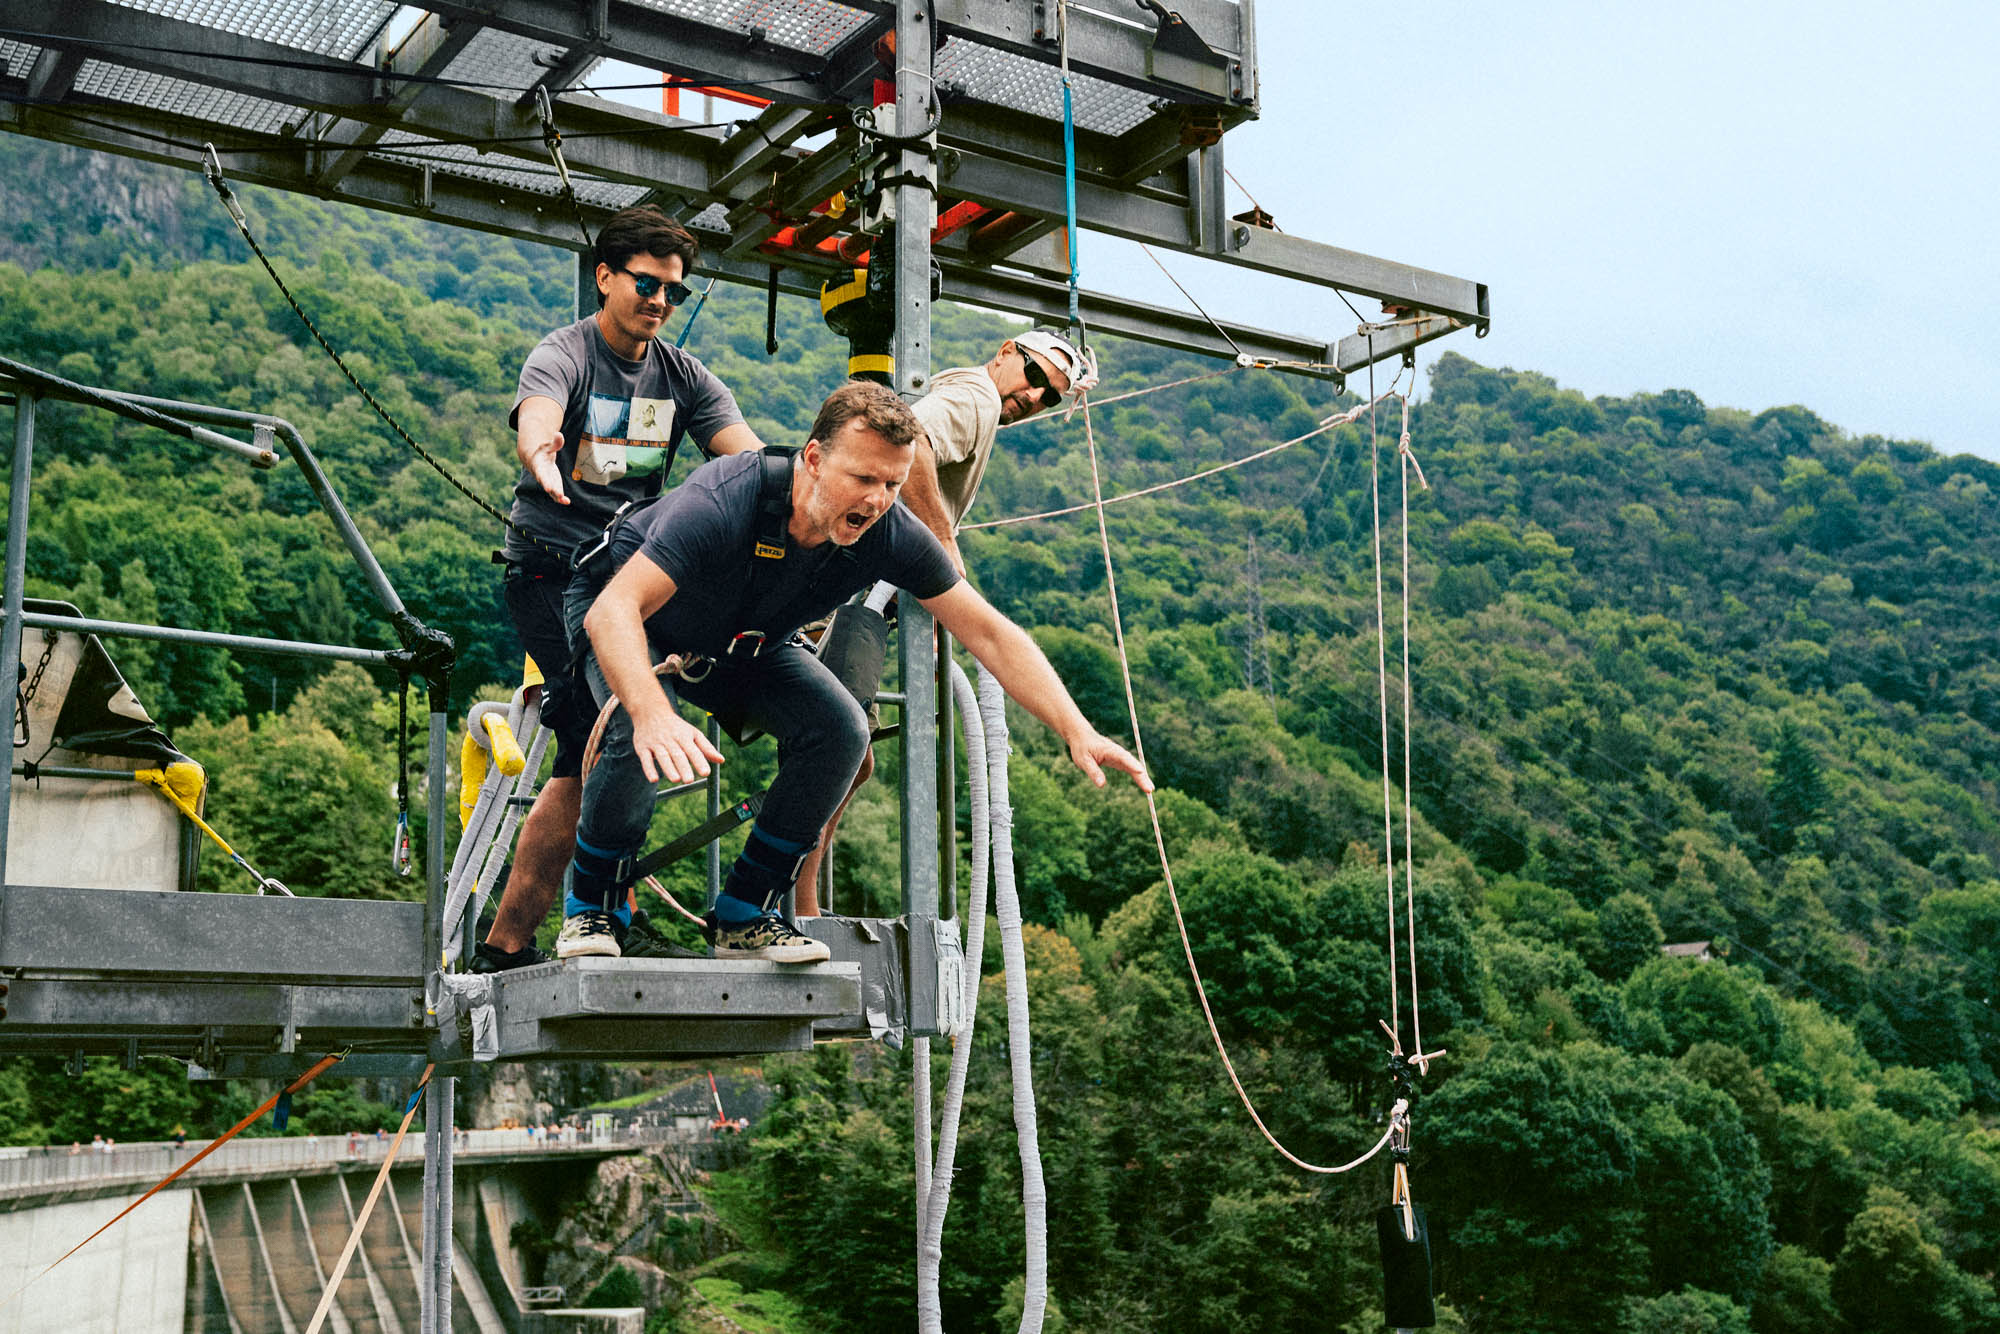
point(214, 174)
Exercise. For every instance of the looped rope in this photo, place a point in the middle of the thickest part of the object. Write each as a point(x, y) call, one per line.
point(1159, 836)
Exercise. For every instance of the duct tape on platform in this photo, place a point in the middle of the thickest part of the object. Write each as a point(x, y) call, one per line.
point(466, 1015)
point(954, 1016)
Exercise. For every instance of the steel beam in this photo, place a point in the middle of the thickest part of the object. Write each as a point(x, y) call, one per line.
point(243, 936)
point(755, 148)
point(651, 38)
point(52, 74)
point(426, 53)
point(1119, 52)
point(992, 167)
point(40, 1006)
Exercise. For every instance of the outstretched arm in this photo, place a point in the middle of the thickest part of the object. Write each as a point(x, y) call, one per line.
point(538, 439)
point(665, 743)
point(1018, 663)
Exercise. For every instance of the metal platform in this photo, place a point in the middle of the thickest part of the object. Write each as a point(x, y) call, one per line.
point(232, 981)
point(629, 1009)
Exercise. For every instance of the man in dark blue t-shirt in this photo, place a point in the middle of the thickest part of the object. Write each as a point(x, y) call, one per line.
point(702, 582)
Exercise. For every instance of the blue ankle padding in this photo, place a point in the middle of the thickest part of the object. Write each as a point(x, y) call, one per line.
point(572, 905)
point(733, 911)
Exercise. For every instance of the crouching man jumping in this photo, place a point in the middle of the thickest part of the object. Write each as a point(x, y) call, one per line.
point(730, 565)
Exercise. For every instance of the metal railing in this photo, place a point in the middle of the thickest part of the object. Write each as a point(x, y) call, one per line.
point(52, 1168)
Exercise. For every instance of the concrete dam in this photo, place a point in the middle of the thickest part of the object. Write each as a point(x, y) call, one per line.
point(244, 1242)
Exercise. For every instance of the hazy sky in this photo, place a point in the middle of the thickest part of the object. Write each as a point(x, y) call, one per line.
point(1765, 203)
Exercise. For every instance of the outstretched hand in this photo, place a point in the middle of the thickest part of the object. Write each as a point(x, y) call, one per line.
point(673, 749)
point(541, 460)
point(1094, 752)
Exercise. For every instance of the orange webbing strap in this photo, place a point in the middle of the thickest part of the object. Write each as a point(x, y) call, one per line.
point(174, 1175)
point(367, 1207)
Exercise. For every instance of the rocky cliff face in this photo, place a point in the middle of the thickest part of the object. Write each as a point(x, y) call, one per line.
point(81, 202)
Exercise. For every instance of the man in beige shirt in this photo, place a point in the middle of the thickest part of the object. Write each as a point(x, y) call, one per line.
point(962, 415)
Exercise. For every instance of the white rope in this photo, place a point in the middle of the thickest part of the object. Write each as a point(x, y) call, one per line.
point(1338, 419)
point(1160, 839)
point(1382, 690)
point(1408, 460)
point(931, 1213)
point(1020, 1054)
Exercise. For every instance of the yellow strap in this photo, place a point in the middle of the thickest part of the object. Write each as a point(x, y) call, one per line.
point(472, 766)
point(872, 361)
point(506, 750)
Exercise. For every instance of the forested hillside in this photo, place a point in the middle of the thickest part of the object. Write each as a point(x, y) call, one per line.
point(1680, 673)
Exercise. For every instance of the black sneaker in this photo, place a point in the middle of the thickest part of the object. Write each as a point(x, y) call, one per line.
point(492, 959)
point(767, 937)
point(592, 932)
point(642, 941)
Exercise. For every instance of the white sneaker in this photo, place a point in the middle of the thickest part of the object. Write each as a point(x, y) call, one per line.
point(767, 937)
point(591, 932)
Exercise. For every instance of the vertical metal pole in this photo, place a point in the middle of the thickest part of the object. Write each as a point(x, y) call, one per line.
point(436, 1279)
point(586, 284)
point(435, 1282)
point(947, 781)
point(915, 98)
point(16, 582)
point(715, 809)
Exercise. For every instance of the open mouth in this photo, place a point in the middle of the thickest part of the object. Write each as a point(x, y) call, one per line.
point(855, 522)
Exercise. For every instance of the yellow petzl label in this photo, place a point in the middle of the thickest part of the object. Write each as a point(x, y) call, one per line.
point(769, 552)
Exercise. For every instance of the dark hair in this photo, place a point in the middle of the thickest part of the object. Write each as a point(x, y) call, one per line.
point(874, 405)
point(630, 231)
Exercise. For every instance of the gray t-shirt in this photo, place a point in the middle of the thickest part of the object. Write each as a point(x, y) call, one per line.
point(620, 418)
point(701, 535)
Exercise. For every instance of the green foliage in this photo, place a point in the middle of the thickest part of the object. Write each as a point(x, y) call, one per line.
point(1680, 673)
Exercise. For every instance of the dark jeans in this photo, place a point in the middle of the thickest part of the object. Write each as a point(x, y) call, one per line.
point(534, 596)
point(785, 691)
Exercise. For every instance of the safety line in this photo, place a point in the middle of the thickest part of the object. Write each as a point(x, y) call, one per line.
point(213, 169)
point(1340, 419)
point(1166, 866)
point(1069, 166)
point(174, 1175)
point(1141, 392)
point(1382, 690)
point(368, 1207)
point(1241, 356)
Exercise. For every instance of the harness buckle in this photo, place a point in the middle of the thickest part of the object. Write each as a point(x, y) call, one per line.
point(756, 638)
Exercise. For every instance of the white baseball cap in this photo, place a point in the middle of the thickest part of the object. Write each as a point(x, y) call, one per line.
point(1079, 367)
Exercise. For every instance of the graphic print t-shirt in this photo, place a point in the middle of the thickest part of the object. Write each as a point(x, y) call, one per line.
point(620, 419)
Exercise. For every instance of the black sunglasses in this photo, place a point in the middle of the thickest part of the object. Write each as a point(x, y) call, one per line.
point(645, 284)
point(1038, 379)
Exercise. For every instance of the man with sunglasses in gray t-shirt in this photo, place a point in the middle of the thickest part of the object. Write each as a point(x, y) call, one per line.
point(602, 407)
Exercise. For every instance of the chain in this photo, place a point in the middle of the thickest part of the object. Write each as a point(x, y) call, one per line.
point(25, 695)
